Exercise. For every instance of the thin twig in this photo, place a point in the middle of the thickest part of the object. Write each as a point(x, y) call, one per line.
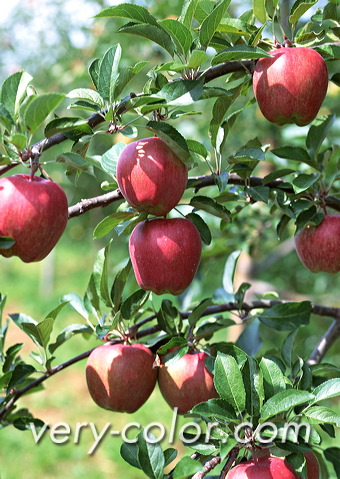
point(332, 334)
point(231, 459)
point(208, 466)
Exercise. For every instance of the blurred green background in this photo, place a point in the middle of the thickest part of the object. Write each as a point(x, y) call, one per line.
point(55, 41)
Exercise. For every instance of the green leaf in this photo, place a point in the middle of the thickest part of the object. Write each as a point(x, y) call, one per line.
point(168, 317)
point(6, 242)
point(318, 133)
point(197, 147)
point(332, 454)
point(68, 333)
point(39, 108)
point(215, 408)
point(108, 73)
point(170, 455)
point(13, 91)
point(284, 401)
point(133, 303)
point(273, 378)
point(295, 153)
point(110, 158)
point(63, 125)
point(202, 227)
point(151, 32)
point(220, 108)
point(229, 273)
point(259, 9)
point(287, 348)
point(327, 390)
point(172, 138)
point(88, 95)
point(19, 140)
point(94, 71)
point(180, 34)
point(171, 357)
point(299, 8)
point(321, 414)
point(253, 383)
point(210, 206)
point(287, 316)
point(73, 161)
point(11, 353)
point(128, 10)
point(129, 452)
point(197, 57)
point(303, 181)
point(110, 222)
point(181, 92)
point(150, 456)
point(119, 285)
point(126, 74)
point(5, 118)
point(229, 383)
point(4, 379)
point(239, 52)
point(41, 332)
point(259, 193)
point(221, 180)
point(19, 374)
point(186, 467)
point(196, 314)
point(75, 301)
point(277, 173)
point(188, 11)
point(212, 21)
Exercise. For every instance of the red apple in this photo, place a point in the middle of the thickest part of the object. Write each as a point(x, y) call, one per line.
point(318, 247)
point(165, 254)
point(121, 377)
point(150, 176)
point(187, 382)
point(34, 213)
point(264, 468)
point(291, 85)
point(313, 468)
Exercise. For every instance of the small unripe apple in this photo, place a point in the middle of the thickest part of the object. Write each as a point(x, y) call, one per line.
point(269, 467)
point(318, 247)
point(291, 85)
point(121, 377)
point(150, 176)
point(187, 382)
point(165, 254)
point(34, 212)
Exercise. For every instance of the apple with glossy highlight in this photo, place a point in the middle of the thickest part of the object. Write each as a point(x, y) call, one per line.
point(150, 176)
point(291, 85)
point(34, 212)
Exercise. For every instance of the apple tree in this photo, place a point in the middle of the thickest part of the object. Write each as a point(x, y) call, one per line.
point(176, 184)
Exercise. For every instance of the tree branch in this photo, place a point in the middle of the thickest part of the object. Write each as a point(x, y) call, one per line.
point(332, 334)
point(196, 182)
point(208, 466)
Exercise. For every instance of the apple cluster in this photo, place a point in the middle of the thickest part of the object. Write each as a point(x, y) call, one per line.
point(165, 253)
point(121, 377)
point(33, 216)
